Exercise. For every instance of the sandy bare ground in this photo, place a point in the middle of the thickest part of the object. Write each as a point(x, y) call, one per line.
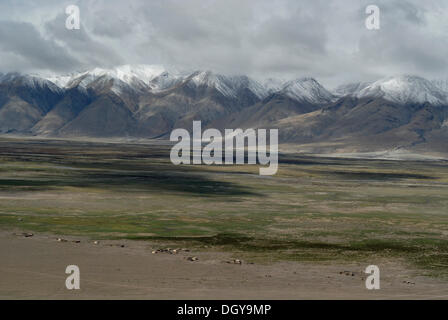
point(34, 268)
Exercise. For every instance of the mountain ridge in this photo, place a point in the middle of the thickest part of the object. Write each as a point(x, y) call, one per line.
point(150, 101)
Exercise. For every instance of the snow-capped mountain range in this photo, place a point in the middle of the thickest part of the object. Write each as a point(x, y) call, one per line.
point(149, 101)
point(404, 90)
point(156, 78)
point(139, 77)
point(401, 89)
point(126, 73)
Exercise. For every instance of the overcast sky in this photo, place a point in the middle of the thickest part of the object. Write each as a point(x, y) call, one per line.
point(274, 38)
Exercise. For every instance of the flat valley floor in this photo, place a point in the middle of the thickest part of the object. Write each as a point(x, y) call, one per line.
point(139, 227)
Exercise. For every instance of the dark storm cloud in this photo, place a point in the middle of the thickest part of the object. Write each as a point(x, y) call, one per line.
point(281, 38)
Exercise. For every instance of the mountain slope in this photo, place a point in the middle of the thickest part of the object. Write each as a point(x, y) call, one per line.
point(66, 110)
point(366, 124)
point(106, 116)
point(203, 96)
point(24, 100)
point(295, 97)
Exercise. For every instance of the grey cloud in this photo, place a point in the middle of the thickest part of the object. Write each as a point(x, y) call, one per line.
point(110, 24)
point(405, 43)
point(26, 47)
point(79, 43)
point(300, 32)
point(263, 38)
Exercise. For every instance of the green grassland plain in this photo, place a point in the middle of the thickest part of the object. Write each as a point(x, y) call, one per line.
point(315, 209)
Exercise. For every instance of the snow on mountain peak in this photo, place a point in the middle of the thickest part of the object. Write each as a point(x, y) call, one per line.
point(229, 86)
point(257, 88)
point(399, 89)
point(31, 81)
point(200, 78)
point(405, 89)
point(442, 84)
point(132, 75)
point(350, 88)
point(272, 85)
point(145, 73)
point(307, 90)
point(217, 81)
